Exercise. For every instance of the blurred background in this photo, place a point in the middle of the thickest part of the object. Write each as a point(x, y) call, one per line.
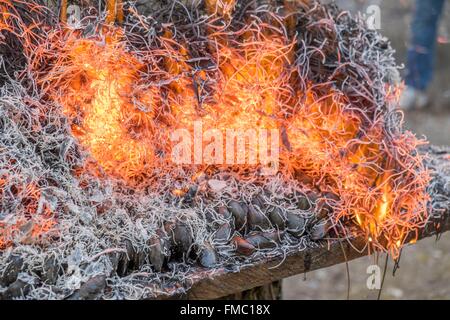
point(424, 271)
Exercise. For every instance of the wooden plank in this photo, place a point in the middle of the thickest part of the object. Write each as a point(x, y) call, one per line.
point(273, 270)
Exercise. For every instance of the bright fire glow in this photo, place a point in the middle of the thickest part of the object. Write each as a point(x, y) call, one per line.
point(100, 87)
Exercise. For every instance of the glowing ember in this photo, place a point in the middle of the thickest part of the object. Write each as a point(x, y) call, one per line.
point(29, 228)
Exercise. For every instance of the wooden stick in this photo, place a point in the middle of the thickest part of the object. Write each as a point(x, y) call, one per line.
point(119, 8)
point(63, 14)
point(110, 11)
point(114, 11)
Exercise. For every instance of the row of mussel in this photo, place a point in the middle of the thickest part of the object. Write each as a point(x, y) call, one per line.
point(246, 226)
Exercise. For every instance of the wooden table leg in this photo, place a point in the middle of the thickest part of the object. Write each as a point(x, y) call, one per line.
point(271, 291)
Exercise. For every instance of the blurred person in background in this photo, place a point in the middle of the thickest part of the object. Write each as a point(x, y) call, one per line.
point(421, 53)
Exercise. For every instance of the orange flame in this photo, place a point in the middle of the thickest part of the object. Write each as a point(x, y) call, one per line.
point(100, 90)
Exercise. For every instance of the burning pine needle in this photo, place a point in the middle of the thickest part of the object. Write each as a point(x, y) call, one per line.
point(117, 89)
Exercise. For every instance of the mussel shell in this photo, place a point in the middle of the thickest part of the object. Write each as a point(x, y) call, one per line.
point(156, 253)
point(304, 203)
point(312, 197)
point(319, 230)
point(12, 270)
point(16, 289)
point(258, 201)
point(165, 241)
point(324, 205)
point(126, 260)
point(243, 246)
point(50, 270)
point(208, 256)
point(263, 240)
point(131, 253)
point(191, 193)
point(223, 233)
point(296, 224)
point(256, 219)
point(332, 196)
point(182, 238)
point(92, 288)
point(115, 259)
point(224, 213)
point(139, 259)
point(303, 177)
point(239, 212)
point(277, 218)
